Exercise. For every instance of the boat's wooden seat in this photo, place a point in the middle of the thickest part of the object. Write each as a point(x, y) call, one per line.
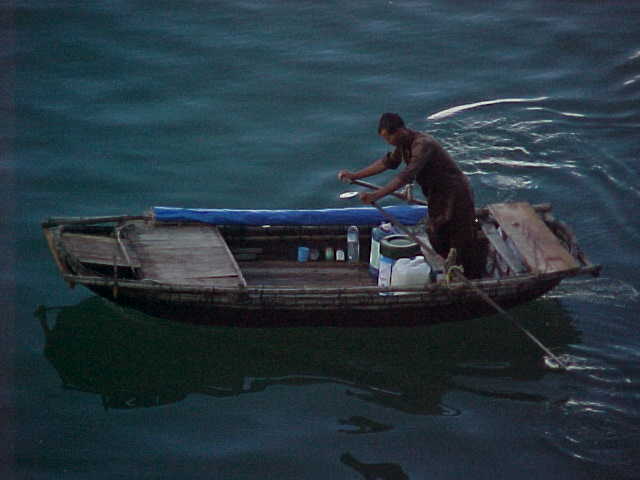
point(187, 255)
point(540, 248)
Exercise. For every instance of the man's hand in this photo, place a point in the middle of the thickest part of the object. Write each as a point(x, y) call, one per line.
point(368, 197)
point(345, 176)
point(406, 193)
point(433, 224)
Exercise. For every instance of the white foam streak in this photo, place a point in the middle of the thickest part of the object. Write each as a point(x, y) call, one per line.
point(452, 111)
point(566, 114)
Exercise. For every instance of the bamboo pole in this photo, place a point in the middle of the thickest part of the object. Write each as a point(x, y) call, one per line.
point(428, 253)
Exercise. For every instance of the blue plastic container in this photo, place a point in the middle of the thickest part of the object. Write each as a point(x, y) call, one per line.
point(303, 254)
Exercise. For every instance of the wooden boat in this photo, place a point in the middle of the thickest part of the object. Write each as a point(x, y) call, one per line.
point(194, 267)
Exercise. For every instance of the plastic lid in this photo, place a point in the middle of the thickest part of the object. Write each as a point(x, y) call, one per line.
point(399, 246)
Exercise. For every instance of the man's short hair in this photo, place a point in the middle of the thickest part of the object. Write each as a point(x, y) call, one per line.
point(390, 122)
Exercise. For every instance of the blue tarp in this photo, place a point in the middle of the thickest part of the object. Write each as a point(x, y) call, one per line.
point(406, 214)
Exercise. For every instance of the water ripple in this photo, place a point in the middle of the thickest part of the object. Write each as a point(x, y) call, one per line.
point(600, 290)
point(598, 423)
point(596, 432)
point(453, 110)
point(566, 114)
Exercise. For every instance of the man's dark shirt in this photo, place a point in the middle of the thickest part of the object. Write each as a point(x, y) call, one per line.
point(449, 193)
point(427, 163)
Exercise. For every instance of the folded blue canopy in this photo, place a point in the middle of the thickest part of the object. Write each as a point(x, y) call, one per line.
point(406, 214)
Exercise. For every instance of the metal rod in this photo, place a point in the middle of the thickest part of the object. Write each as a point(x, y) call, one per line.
point(395, 194)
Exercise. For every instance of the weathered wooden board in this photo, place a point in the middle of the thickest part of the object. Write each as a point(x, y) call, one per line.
point(513, 260)
point(187, 255)
point(99, 250)
point(320, 274)
point(540, 248)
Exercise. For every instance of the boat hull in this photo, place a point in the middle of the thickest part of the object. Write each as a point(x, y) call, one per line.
point(269, 312)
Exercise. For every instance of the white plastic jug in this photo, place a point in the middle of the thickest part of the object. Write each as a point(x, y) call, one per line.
point(410, 272)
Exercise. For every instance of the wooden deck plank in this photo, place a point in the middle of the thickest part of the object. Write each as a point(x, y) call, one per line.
point(308, 274)
point(540, 248)
point(514, 261)
point(98, 250)
point(188, 255)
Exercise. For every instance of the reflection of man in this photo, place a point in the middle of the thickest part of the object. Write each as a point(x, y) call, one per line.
point(451, 222)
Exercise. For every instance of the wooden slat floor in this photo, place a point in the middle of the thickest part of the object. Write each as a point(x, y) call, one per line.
point(99, 250)
point(189, 255)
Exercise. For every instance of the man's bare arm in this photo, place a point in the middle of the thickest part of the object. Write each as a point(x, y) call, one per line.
point(376, 167)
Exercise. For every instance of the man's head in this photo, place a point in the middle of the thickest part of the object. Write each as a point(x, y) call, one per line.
point(391, 127)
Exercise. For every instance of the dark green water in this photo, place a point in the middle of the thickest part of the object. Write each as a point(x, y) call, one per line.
point(115, 107)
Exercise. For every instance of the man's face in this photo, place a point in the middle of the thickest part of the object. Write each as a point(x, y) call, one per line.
point(390, 138)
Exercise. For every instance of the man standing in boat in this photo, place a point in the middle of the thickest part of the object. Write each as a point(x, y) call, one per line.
point(451, 221)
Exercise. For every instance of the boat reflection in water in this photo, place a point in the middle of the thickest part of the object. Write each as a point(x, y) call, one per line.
point(132, 360)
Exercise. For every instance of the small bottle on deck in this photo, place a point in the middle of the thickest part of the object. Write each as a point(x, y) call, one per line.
point(328, 253)
point(353, 244)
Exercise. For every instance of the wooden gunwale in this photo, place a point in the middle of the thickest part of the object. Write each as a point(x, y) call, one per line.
point(430, 290)
point(56, 221)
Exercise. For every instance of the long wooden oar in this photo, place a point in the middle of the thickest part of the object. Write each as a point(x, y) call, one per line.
point(431, 254)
